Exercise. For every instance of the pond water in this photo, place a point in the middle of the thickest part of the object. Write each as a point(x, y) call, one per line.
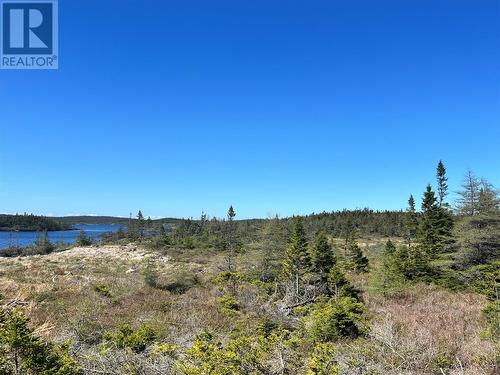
point(23, 239)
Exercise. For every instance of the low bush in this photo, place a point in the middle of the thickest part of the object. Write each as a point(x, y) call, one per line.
point(322, 361)
point(102, 290)
point(181, 281)
point(83, 240)
point(335, 318)
point(127, 338)
point(228, 304)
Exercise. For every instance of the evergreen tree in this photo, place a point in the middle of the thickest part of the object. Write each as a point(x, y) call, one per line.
point(230, 241)
point(274, 245)
point(231, 248)
point(436, 225)
point(43, 245)
point(394, 262)
point(83, 240)
point(22, 352)
point(297, 261)
point(417, 265)
point(140, 223)
point(442, 181)
point(412, 221)
point(403, 263)
point(349, 234)
point(428, 236)
point(338, 285)
point(322, 256)
point(354, 258)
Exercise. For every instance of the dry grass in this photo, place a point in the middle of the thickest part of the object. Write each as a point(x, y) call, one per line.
point(59, 289)
point(428, 330)
point(424, 330)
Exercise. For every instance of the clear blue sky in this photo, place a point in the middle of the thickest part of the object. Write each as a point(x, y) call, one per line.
point(175, 107)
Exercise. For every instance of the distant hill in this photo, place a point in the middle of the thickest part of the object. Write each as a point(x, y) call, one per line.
point(71, 220)
point(92, 220)
point(30, 222)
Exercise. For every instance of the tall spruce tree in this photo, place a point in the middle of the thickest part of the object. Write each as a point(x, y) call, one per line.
point(297, 261)
point(231, 247)
point(230, 239)
point(442, 182)
point(412, 221)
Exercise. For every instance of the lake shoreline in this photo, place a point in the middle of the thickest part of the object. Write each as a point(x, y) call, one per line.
point(26, 238)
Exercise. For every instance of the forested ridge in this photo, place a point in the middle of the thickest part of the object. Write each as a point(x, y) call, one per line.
point(350, 292)
point(30, 222)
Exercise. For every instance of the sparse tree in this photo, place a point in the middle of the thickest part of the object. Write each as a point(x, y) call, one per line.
point(489, 200)
point(468, 203)
point(231, 247)
point(412, 221)
point(140, 223)
point(442, 182)
point(230, 243)
point(297, 261)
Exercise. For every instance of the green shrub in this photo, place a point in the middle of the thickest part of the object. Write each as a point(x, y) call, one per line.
point(166, 349)
point(242, 355)
point(335, 318)
point(127, 338)
point(492, 314)
point(321, 361)
point(150, 272)
point(188, 243)
point(21, 352)
point(339, 285)
point(228, 304)
point(102, 290)
point(266, 327)
point(181, 281)
point(441, 361)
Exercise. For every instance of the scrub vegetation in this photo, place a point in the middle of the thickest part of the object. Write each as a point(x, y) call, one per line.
point(351, 292)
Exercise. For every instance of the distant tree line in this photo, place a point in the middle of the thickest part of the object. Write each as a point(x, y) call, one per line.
point(30, 222)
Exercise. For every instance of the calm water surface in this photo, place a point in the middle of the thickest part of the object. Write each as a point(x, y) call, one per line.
point(23, 239)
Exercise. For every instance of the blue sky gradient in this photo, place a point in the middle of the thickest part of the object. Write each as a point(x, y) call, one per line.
point(274, 107)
